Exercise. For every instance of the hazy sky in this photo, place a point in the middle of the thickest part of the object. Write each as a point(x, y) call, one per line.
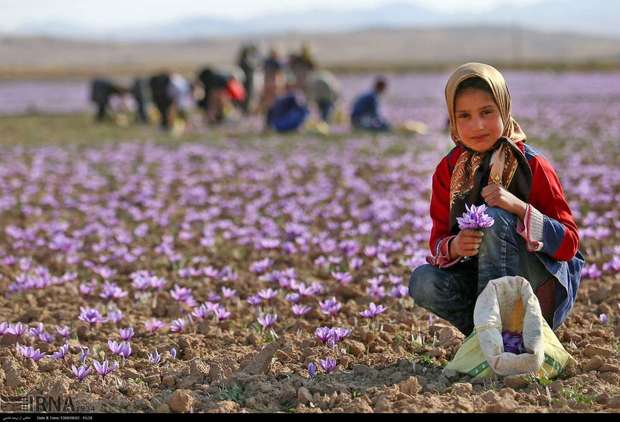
point(114, 13)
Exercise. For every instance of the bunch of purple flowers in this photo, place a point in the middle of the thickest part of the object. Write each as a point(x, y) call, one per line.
point(373, 310)
point(475, 218)
point(513, 342)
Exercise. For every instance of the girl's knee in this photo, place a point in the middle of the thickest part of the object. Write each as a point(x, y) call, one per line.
point(422, 283)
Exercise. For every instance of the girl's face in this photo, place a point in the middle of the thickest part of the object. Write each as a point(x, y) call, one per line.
point(478, 121)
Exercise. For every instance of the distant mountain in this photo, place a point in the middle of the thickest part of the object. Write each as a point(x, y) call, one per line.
point(597, 17)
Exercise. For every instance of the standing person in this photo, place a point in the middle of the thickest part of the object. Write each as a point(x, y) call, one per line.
point(323, 89)
point(247, 62)
point(301, 65)
point(534, 234)
point(139, 91)
point(160, 93)
point(365, 111)
point(181, 92)
point(101, 92)
point(272, 71)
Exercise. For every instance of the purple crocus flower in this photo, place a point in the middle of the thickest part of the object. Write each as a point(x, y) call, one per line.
point(90, 315)
point(154, 358)
point(330, 306)
point(323, 334)
point(115, 316)
point(328, 365)
point(338, 334)
point(292, 297)
point(267, 320)
point(30, 352)
point(4, 328)
point(81, 372)
point(84, 353)
point(37, 331)
point(254, 300)
point(267, 294)
point(46, 337)
point(372, 311)
point(221, 313)
point(300, 310)
point(63, 331)
point(122, 349)
point(228, 293)
point(312, 369)
point(513, 342)
point(61, 353)
point(126, 333)
point(112, 291)
point(173, 353)
point(17, 329)
point(475, 218)
point(603, 318)
point(178, 325)
point(153, 325)
point(104, 368)
point(342, 278)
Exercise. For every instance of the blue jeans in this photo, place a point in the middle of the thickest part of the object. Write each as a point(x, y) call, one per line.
point(451, 293)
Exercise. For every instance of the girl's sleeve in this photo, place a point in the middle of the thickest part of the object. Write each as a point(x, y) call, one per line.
point(440, 215)
point(548, 225)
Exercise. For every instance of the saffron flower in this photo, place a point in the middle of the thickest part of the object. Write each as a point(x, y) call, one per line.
point(221, 313)
point(122, 349)
point(300, 310)
point(312, 369)
point(372, 311)
point(323, 334)
point(267, 294)
point(115, 316)
point(603, 318)
point(475, 218)
point(342, 278)
point(173, 353)
point(63, 331)
point(328, 365)
point(153, 325)
point(267, 320)
point(154, 358)
point(104, 368)
point(228, 293)
point(90, 315)
point(330, 306)
point(30, 352)
point(84, 353)
point(178, 325)
point(4, 328)
point(17, 329)
point(513, 342)
point(254, 300)
point(126, 333)
point(61, 353)
point(81, 372)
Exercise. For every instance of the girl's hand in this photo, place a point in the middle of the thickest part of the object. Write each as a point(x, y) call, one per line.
point(496, 196)
point(466, 243)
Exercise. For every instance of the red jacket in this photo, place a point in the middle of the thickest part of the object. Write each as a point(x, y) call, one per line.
point(549, 226)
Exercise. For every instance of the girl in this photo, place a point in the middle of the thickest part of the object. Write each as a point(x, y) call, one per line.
point(534, 234)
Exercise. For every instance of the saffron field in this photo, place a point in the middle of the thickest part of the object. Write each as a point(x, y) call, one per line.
point(228, 270)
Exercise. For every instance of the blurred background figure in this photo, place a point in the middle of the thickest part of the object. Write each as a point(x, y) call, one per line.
point(272, 72)
point(101, 93)
point(323, 89)
point(365, 111)
point(289, 111)
point(248, 62)
point(181, 93)
point(140, 93)
point(301, 64)
point(160, 93)
point(218, 90)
